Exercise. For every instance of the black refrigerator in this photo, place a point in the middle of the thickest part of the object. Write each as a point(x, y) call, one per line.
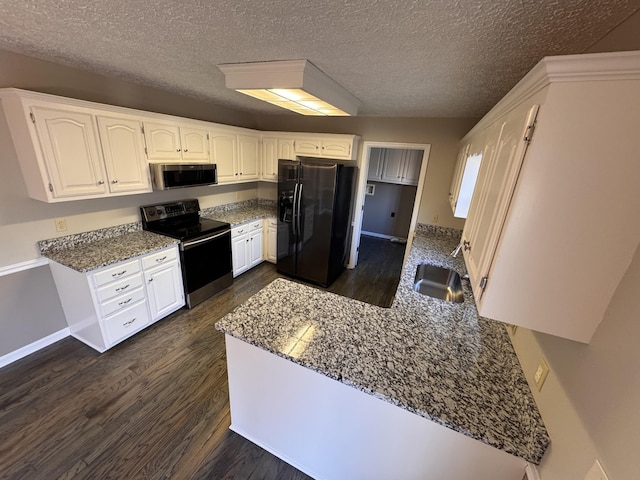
point(314, 208)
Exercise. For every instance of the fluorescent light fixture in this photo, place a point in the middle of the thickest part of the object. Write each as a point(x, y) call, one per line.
point(297, 85)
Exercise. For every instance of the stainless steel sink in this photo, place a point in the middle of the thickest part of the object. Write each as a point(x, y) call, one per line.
point(438, 282)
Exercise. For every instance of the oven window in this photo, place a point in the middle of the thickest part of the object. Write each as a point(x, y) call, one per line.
point(207, 261)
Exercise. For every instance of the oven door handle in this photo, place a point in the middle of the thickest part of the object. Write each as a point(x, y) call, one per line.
point(202, 240)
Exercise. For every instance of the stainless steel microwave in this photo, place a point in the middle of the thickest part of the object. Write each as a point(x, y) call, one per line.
point(166, 176)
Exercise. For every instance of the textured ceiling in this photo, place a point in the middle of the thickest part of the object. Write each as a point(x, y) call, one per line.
point(439, 58)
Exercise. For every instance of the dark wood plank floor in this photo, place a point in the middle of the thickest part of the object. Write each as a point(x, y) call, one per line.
point(155, 406)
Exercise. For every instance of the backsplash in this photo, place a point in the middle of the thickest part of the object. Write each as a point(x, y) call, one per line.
point(77, 239)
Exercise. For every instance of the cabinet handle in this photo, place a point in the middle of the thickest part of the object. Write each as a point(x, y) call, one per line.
point(119, 274)
point(236, 174)
point(114, 181)
point(126, 324)
point(240, 173)
point(125, 301)
point(161, 259)
point(467, 245)
point(186, 150)
point(177, 150)
point(123, 288)
point(241, 230)
point(151, 280)
point(100, 182)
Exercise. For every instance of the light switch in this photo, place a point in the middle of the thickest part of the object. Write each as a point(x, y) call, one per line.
point(596, 472)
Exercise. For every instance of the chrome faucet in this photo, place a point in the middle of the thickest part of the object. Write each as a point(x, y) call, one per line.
point(456, 250)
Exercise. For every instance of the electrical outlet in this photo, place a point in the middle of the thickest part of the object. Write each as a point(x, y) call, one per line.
point(541, 374)
point(61, 224)
point(596, 472)
point(393, 214)
point(434, 219)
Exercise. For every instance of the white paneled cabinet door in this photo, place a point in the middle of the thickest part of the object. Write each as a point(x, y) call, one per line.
point(69, 142)
point(224, 155)
point(248, 157)
point(336, 148)
point(195, 144)
point(393, 166)
point(123, 148)
point(269, 159)
point(286, 149)
point(240, 254)
point(164, 289)
point(307, 146)
point(272, 240)
point(411, 167)
point(376, 164)
point(255, 248)
point(163, 141)
point(496, 183)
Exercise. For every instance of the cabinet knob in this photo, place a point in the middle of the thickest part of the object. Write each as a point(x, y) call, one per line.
point(177, 149)
point(240, 173)
point(467, 245)
point(186, 150)
point(100, 182)
point(151, 280)
point(114, 181)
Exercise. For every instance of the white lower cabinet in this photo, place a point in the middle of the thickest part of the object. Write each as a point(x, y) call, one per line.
point(246, 246)
point(105, 306)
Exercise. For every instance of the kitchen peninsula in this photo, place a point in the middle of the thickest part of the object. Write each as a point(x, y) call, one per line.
point(343, 389)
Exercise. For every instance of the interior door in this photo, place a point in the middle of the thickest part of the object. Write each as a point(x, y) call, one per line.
point(287, 221)
point(317, 192)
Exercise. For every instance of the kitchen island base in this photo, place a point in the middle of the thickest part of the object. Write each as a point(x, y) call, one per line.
point(330, 430)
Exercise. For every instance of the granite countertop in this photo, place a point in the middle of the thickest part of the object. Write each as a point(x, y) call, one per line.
point(433, 358)
point(94, 253)
point(239, 213)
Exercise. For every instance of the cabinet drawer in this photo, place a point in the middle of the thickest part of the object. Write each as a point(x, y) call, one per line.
point(117, 272)
point(125, 323)
point(240, 230)
point(125, 285)
point(159, 258)
point(255, 225)
point(272, 222)
point(123, 301)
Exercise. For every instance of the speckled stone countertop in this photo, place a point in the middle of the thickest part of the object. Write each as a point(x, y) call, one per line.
point(433, 358)
point(94, 251)
point(241, 212)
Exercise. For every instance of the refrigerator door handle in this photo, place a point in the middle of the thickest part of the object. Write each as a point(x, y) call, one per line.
point(293, 212)
point(299, 201)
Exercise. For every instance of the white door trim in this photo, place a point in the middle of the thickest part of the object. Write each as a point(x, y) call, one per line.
point(361, 190)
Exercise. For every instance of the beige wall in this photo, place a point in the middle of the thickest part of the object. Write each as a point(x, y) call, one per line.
point(442, 133)
point(624, 37)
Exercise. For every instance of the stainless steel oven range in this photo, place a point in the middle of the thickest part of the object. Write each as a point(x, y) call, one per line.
point(205, 246)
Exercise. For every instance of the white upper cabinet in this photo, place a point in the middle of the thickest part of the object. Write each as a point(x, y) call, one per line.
point(552, 226)
point(248, 157)
point(70, 146)
point(269, 159)
point(175, 143)
point(123, 149)
point(342, 147)
point(286, 149)
point(401, 166)
point(224, 153)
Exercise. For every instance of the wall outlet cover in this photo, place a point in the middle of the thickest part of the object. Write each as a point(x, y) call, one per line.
point(61, 224)
point(541, 374)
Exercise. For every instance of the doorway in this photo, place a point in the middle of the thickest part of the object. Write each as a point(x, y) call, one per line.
point(390, 183)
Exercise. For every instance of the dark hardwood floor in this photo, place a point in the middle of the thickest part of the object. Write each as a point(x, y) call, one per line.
point(155, 406)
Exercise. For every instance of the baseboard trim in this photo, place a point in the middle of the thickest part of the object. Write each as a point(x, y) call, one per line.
point(33, 347)
point(374, 234)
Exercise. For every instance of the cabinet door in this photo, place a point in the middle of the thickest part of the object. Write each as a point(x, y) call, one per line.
point(248, 157)
point(411, 167)
point(336, 148)
point(195, 144)
point(123, 147)
point(457, 176)
point(240, 254)
point(393, 166)
point(499, 173)
point(164, 289)
point(163, 141)
point(71, 151)
point(272, 241)
point(286, 149)
point(307, 146)
point(224, 155)
point(376, 164)
point(255, 248)
point(269, 159)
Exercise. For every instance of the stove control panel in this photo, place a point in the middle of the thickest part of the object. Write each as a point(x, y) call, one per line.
point(164, 211)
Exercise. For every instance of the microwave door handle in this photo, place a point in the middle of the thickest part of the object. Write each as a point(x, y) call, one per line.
point(293, 211)
point(299, 202)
